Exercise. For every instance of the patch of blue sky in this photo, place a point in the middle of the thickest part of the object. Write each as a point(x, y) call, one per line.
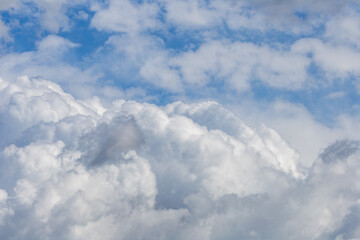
point(25, 30)
point(178, 40)
point(89, 40)
point(301, 15)
point(273, 38)
point(117, 71)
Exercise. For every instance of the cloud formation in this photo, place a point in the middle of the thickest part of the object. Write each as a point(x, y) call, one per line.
point(176, 46)
point(134, 170)
point(81, 159)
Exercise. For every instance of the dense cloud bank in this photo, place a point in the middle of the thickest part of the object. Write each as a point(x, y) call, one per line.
point(73, 169)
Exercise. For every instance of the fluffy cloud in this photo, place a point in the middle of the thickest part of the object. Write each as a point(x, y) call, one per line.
point(133, 170)
point(5, 211)
point(235, 65)
point(232, 64)
point(239, 63)
point(125, 16)
point(52, 15)
point(46, 62)
point(142, 46)
point(338, 59)
point(134, 16)
point(292, 16)
point(344, 29)
point(146, 58)
point(100, 169)
point(192, 14)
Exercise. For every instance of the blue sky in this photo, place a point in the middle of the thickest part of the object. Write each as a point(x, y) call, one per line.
point(118, 43)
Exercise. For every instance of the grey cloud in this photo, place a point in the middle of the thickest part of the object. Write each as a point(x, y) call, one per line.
point(340, 150)
point(109, 141)
point(348, 229)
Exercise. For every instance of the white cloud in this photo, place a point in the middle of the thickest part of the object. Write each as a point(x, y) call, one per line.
point(4, 32)
point(81, 169)
point(146, 57)
point(125, 16)
point(338, 94)
point(25, 103)
point(140, 56)
point(252, 14)
point(344, 29)
point(52, 15)
point(53, 44)
point(157, 71)
point(237, 64)
point(132, 17)
point(135, 170)
point(53, 174)
point(5, 211)
point(191, 14)
point(283, 14)
point(298, 126)
point(336, 61)
point(47, 62)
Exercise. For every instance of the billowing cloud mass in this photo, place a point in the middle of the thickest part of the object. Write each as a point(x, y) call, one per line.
point(78, 170)
point(179, 119)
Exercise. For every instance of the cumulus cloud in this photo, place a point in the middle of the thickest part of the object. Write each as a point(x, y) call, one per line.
point(134, 16)
point(135, 170)
point(191, 14)
point(239, 63)
point(145, 57)
point(100, 169)
point(235, 64)
point(125, 16)
point(142, 46)
point(52, 15)
point(339, 60)
point(46, 62)
point(292, 16)
point(232, 64)
point(344, 29)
